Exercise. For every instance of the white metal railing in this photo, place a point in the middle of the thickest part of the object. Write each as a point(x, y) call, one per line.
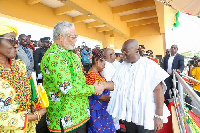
point(179, 98)
point(191, 78)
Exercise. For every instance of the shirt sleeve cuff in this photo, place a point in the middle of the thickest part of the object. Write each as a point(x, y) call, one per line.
point(25, 122)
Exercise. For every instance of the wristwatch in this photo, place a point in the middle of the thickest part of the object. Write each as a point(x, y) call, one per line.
point(159, 117)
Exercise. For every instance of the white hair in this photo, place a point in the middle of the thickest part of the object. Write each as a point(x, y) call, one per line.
point(61, 28)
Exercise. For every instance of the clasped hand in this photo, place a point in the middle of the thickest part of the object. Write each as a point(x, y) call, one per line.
point(99, 87)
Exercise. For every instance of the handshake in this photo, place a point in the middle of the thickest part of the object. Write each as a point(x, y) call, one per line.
point(101, 86)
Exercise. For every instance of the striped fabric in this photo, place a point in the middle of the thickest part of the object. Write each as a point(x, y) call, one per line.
point(28, 53)
point(100, 120)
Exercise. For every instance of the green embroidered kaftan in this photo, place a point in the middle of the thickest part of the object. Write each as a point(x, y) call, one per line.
point(67, 91)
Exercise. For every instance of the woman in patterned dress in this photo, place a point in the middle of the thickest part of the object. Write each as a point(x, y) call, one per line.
point(100, 120)
point(15, 90)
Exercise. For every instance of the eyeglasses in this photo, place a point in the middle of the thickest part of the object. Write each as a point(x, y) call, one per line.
point(12, 40)
point(72, 36)
point(173, 47)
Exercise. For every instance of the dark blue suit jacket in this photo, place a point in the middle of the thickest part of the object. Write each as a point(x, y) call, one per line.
point(178, 62)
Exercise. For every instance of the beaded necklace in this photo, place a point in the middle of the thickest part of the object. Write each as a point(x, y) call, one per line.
point(18, 80)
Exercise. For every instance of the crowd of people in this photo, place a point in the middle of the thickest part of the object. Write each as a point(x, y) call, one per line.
point(89, 90)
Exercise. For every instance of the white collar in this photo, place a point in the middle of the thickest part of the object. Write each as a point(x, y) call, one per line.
point(171, 55)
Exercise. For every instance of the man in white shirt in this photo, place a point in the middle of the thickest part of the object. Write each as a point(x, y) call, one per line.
point(138, 95)
point(109, 69)
point(172, 61)
point(108, 73)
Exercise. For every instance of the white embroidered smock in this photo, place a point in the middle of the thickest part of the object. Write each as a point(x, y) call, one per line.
point(133, 96)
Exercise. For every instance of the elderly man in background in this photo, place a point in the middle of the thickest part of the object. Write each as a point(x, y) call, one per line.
point(109, 69)
point(138, 97)
point(64, 83)
point(108, 73)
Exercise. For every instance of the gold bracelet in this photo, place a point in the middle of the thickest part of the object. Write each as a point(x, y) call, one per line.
point(38, 115)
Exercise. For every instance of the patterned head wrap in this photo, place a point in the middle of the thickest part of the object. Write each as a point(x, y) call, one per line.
point(7, 27)
point(98, 54)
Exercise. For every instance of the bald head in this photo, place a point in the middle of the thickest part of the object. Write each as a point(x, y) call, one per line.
point(130, 43)
point(130, 49)
point(109, 55)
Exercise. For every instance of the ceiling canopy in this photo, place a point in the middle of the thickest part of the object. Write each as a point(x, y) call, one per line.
point(106, 16)
point(187, 6)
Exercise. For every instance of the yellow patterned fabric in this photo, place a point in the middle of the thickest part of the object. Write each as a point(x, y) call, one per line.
point(15, 95)
point(7, 27)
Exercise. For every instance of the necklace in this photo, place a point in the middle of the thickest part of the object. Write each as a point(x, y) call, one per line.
point(21, 85)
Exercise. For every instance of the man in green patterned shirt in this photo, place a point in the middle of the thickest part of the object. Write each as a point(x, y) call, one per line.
point(64, 83)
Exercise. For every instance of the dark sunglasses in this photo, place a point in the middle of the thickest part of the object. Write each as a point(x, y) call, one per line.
point(12, 40)
point(173, 47)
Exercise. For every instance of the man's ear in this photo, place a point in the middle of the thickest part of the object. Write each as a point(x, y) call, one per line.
point(60, 37)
